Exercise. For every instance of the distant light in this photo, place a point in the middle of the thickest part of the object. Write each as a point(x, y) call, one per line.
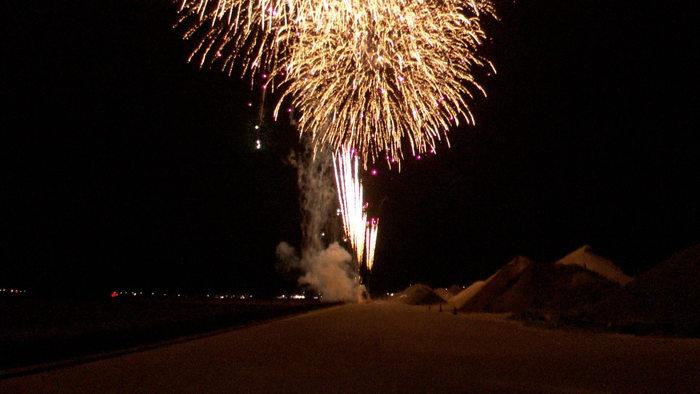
point(374, 172)
point(257, 144)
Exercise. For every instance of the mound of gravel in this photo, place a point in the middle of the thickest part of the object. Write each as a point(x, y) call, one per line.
point(443, 293)
point(418, 295)
point(524, 285)
point(665, 299)
point(496, 285)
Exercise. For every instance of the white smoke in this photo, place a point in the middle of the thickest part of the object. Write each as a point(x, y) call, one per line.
point(287, 256)
point(328, 271)
point(324, 265)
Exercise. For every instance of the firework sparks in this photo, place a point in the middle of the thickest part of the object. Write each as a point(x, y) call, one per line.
point(364, 74)
point(350, 198)
point(381, 71)
point(234, 30)
point(370, 242)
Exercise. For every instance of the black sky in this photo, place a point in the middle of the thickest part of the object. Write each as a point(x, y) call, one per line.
point(123, 166)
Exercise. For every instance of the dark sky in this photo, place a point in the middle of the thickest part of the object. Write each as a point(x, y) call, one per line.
point(125, 167)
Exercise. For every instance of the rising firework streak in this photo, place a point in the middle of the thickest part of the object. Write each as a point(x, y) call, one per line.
point(370, 242)
point(352, 210)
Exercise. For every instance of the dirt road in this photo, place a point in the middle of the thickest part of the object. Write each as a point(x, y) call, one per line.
point(384, 347)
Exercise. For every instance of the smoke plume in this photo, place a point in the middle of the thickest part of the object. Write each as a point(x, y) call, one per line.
point(324, 264)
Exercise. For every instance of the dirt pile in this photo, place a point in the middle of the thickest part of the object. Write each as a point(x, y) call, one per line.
point(465, 295)
point(586, 258)
point(495, 286)
point(418, 294)
point(665, 299)
point(524, 285)
point(455, 289)
point(443, 293)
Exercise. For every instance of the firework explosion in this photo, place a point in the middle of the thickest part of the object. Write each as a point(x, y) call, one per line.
point(390, 69)
point(364, 74)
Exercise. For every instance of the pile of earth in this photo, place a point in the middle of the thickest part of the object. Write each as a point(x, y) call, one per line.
point(583, 290)
point(664, 300)
point(524, 285)
point(418, 294)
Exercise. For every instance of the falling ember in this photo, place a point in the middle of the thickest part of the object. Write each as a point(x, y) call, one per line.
point(370, 242)
point(349, 188)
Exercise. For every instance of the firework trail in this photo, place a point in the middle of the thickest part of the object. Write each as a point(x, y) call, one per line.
point(370, 242)
point(365, 74)
point(350, 190)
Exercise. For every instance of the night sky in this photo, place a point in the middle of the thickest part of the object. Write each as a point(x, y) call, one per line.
point(125, 167)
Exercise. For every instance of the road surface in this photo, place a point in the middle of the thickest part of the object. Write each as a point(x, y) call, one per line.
point(384, 347)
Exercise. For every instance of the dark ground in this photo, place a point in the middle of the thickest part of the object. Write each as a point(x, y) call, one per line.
point(41, 331)
point(386, 347)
